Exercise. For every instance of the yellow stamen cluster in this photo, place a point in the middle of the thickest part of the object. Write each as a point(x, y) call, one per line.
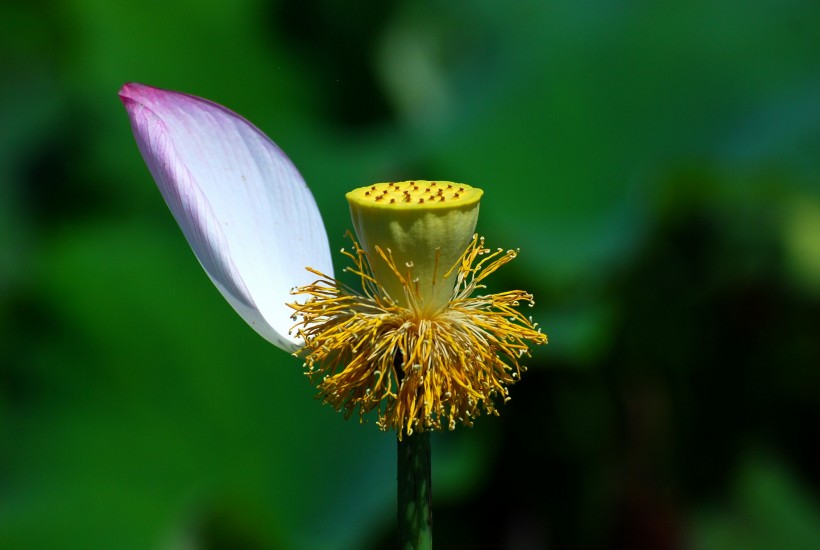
point(419, 371)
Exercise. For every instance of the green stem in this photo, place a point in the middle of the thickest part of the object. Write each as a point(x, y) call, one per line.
point(415, 503)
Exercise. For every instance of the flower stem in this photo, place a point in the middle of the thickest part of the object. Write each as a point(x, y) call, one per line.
point(415, 512)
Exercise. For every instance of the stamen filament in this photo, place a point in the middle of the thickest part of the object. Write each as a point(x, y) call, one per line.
point(417, 370)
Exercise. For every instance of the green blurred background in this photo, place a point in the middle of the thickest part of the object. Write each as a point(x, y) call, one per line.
point(658, 164)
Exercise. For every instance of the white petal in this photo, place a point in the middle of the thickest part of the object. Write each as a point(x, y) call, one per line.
point(245, 210)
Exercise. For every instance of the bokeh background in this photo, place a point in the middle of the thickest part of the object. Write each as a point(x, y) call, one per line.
point(658, 164)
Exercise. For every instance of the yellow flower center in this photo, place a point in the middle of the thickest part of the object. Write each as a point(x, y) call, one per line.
point(415, 344)
point(415, 232)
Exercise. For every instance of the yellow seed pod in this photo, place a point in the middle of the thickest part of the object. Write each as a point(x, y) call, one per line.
point(425, 226)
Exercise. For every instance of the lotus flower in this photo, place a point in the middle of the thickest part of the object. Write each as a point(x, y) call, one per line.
point(414, 344)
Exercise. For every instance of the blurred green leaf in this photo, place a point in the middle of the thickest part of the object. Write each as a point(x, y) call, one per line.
point(770, 509)
point(159, 403)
